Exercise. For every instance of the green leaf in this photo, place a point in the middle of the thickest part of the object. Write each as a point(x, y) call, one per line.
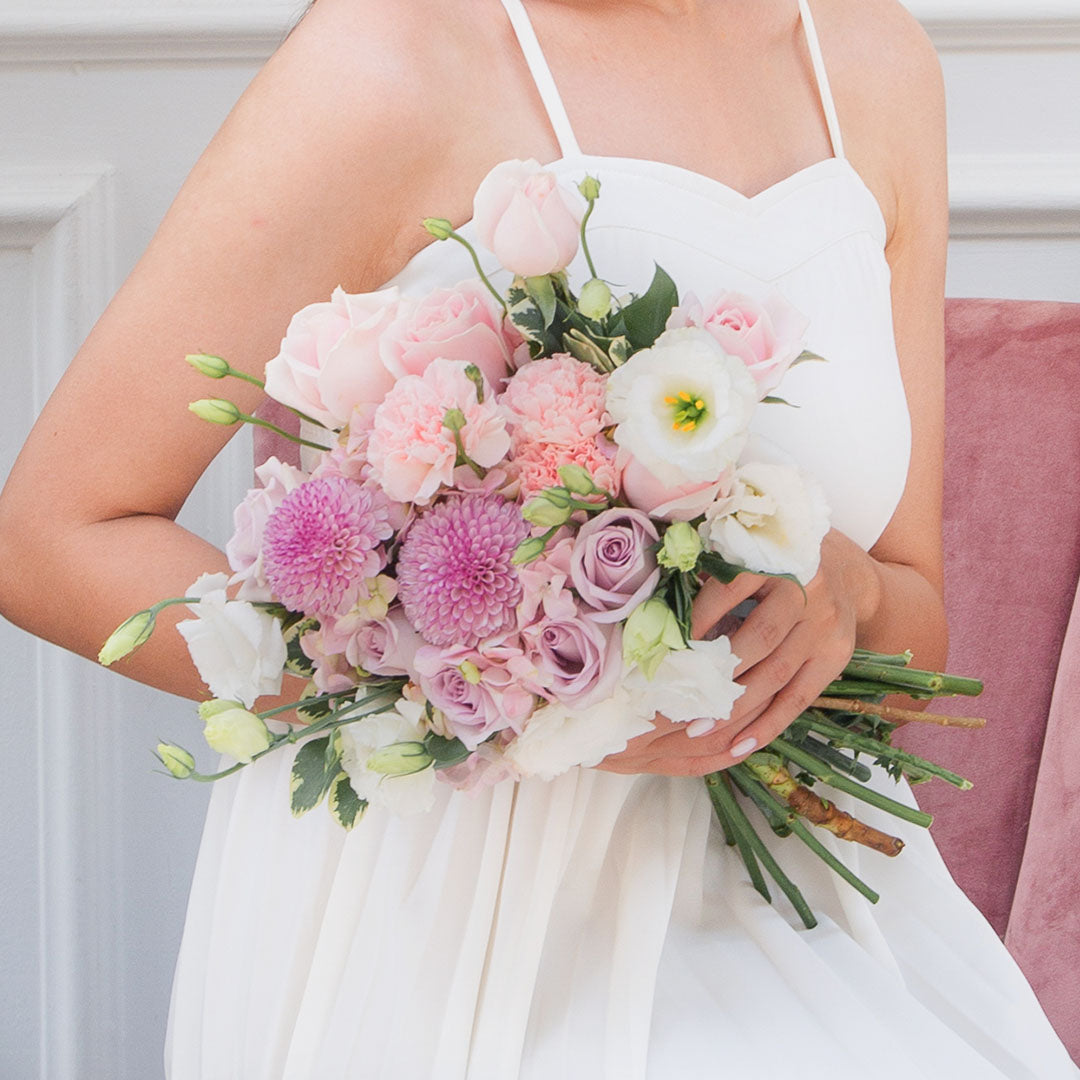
point(772, 399)
point(296, 660)
point(646, 317)
point(619, 351)
point(446, 752)
point(805, 355)
point(587, 351)
point(542, 292)
point(524, 312)
point(725, 572)
point(346, 806)
point(314, 770)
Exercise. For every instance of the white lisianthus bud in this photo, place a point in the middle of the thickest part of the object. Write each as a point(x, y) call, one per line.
point(207, 364)
point(400, 759)
point(176, 759)
point(231, 729)
point(440, 228)
point(651, 632)
point(682, 546)
point(545, 513)
point(469, 672)
point(595, 299)
point(577, 479)
point(216, 411)
point(532, 547)
point(127, 637)
point(589, 188)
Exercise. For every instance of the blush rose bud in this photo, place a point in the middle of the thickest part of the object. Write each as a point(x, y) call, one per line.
point(681, 548)
point(595, 299)
point(400, 759)
point(127, 637)
point(208, 364)
point(216, 411)
point(589, 188)
point(231, 729)
point(176, 759)
point(651, 632)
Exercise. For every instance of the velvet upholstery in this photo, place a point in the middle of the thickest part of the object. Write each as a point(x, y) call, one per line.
point(1012, 560)
point(1012, 540)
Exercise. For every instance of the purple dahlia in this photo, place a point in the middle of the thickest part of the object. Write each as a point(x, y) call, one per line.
point(455, 578)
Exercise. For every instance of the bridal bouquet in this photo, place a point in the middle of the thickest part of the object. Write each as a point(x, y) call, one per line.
point(509, 499)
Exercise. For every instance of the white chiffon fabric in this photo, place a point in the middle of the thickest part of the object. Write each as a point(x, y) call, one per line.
point(597, 927)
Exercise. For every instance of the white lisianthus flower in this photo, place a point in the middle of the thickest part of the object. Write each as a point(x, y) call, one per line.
point(238, 649)
point(772, 522)
point(557, 737)
point(696, 683)
point(682, 407)
point(409, 794)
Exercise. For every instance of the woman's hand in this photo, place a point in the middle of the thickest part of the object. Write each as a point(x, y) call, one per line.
point(790, 648)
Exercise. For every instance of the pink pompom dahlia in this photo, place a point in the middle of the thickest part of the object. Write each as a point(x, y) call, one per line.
point(455, 578)
point(322, 542)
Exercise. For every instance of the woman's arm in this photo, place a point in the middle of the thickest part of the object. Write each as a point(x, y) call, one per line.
point(319, 177)
point(889, 599)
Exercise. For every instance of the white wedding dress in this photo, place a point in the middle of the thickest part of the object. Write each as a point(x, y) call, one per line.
point(597, 927)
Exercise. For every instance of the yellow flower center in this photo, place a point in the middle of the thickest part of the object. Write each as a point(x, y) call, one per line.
point(688, 410)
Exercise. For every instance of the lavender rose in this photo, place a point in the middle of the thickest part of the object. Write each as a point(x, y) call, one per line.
point(579, 661)
point(611, 567)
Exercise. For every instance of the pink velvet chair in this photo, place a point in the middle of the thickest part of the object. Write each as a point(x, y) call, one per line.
point(1012, 559)
point(1012, 536)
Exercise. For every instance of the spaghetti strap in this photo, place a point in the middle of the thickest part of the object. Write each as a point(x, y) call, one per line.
point(822, 78)
point(541, 73)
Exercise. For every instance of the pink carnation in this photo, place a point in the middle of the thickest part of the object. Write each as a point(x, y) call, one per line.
point(537, 465)
point(411, 450)
point(556, 400)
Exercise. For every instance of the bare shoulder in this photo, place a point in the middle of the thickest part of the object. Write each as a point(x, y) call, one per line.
point(890, 97)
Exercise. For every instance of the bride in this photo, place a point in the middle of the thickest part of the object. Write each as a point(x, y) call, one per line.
point(594, 926)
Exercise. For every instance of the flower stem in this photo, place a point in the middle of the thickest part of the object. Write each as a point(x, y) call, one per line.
point(584, 241)
point(244, 418)
point(483, 277)
point(891, 712)
point(893, 675)
point(724, 802)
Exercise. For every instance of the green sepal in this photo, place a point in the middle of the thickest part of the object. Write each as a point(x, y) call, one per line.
point(541, 291)
point(346, 806)
point(645, 317)
point(316, 767)
point(805, 355)
point(773, 399)
point(446, 752)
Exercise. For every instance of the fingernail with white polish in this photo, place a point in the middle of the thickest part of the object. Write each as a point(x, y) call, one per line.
point(701, 726)
point(741, 749)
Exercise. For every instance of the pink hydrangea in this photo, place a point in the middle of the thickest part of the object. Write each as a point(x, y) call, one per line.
point(411, 450)
point(536, 465)
point(322, 541)
point(455, 578)
point(556, 400)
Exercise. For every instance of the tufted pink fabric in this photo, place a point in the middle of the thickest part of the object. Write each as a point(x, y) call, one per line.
point(1012, 545)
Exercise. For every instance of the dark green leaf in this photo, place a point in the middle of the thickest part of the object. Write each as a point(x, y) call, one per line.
point(446, 752)
point(542, 292)
point(772, 399)
point(315, 768)
point(346, 806)
point(646, 317)
point(805, 355)
point(713, 565)
point(588, 352)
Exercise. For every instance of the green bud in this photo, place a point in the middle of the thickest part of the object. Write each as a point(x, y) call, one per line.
point(454, 419)
point(589, 188)
point(595, 299)
point(127, 637)
point(541, 511)
point(577, 479)
point(469, 672)
point(176, 759)
point(439, 227)
point(231, 729)
point(682, 546)
point(400, 759)
point(651, 632)
point(208, 364)
point(529, 549)
point(216, 411)
point(476, 377)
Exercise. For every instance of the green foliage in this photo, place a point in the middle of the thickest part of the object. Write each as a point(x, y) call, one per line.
point(446, 752)
point(645, 317)
point(346, 806)
point(317, 765)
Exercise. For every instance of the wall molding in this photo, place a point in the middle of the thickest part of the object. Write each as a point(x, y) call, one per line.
point(63, 218)
point(1011, 195)
point(250, 32)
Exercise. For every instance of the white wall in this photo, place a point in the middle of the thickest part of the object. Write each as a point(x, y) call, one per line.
point(103, 108)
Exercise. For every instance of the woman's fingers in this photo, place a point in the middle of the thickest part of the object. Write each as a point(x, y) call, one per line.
point(779, 608)
point(716, 599)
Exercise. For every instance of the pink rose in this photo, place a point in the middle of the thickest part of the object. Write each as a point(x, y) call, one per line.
point(490, 698)
point(244, 548)
point(579, 660)
point(527, 219)
point(679, 502)
point(411, 450)
point(767, 335)
point(462, 323)
point(611, 566)
point(329, 362)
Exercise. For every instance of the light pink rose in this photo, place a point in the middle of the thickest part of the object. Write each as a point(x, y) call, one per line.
point(611, 566)
point(767, 335)
point(329, 362)
point(495, 699)
point(244, 548)
point(412, 452)
point(462, 323)
point(679, 502)
point(578, 660)
point(527, 219)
